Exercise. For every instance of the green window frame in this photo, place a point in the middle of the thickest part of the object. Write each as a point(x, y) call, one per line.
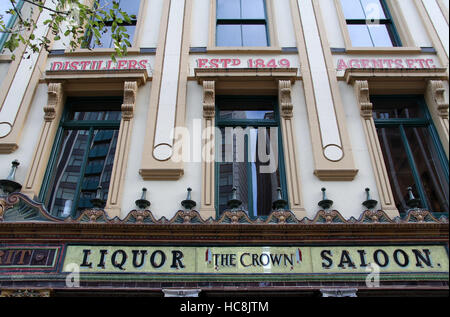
point(242, 104)
point(419, 125)
point(358, 17)
point(91, 156)
point(237, 26)
point(9, 24)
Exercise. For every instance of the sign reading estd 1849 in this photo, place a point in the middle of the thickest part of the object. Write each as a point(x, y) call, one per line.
point(257, 259)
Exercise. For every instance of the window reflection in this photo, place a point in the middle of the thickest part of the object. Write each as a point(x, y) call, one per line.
point(248, 155)
point(413, 157)
point(83, 161)
point(369, 23)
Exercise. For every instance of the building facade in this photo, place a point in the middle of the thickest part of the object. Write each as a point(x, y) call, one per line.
point(294, 147)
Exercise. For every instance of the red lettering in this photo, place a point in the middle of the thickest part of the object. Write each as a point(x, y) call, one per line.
point(122, 64)
point(201, 62)
point(214, 63)
point(74, 65)
point(421, 62)
point(236, 62)
point(410, 63)
point(354, 63)
point(132, 64)
point(225, 62)
point(272, 63)
point(66, 65)
point(365, 63)
point(341, 65)
point(430, 63)
point(97, 64)
point(377, 63)
point(388, 62)
point(56, 66)
point(84, 64)
point(143, 64)
point(398, 63)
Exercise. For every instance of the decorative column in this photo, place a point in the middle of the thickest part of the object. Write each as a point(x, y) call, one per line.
point(167, 105)
point(123, 144)
point(376, 155)
point(207, 208)
point(20, 83)
point(439, 109)
point(290, 153)
point(52, 114)
point(331, 144)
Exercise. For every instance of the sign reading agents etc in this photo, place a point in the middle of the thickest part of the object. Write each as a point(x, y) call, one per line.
point(251, 260)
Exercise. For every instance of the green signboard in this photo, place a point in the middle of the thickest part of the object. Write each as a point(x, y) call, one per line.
point(261, 260)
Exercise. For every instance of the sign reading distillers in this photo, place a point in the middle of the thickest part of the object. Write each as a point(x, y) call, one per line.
point(256, 260)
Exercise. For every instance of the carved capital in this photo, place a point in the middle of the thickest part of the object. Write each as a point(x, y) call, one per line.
point(437, 90)
point(129, 99)
point(55, 93)
point(285, 98)
point(363, 95)
point(209, 99)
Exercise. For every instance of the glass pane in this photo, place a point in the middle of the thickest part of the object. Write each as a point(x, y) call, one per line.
point(352, 9)
point(228, 9)
point(236, 174)
point(429, 168)
point(255, 174)
point(393, 109)
point(253, 9)
point(99, 167)
point(229, 35)
point(4, 6)
point(67, 171)
point(359, 35)
point(373, 9)
point(105, 5)
point(397, 165)
point(254, 35)
point(94, 116)
point(265, 177)
point(249, 114)
point(106, 40)
point(131, 7)
point(380, 35)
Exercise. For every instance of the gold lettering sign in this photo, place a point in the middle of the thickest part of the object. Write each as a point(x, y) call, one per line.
point(257, 260)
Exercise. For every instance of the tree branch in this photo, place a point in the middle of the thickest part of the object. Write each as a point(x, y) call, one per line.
point(47, 8)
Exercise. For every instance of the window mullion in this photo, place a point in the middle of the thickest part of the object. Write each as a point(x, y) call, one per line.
point(248, 167)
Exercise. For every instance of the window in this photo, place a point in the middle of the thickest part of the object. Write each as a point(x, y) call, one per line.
point(248, 153)
point(369, 23)
point(241, 23)
point(106, 40)
point(8, 18)
point(83, 155)
point(412, 152)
